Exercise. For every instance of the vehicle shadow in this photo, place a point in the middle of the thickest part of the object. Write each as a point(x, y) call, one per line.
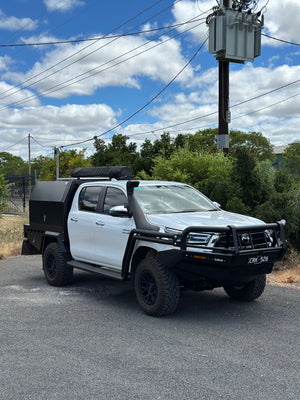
point(205, 305)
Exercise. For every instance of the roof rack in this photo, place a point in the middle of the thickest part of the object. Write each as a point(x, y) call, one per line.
point(113, 172)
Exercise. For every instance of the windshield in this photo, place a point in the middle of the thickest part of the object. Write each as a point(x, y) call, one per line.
point(170, 198)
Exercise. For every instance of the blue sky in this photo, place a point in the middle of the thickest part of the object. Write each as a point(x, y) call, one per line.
point(66, 93)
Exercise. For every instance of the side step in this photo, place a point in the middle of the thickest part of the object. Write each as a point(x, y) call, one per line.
point(109, 272)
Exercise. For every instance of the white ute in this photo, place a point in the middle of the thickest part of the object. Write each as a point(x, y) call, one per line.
point(164, 236)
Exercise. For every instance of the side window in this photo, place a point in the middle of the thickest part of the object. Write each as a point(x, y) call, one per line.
point(114, 197)
point(88, 198)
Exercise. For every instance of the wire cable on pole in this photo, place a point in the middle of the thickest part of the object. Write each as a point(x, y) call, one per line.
point(75, 79)
point(89, 45)
point(145, 105)
point(280, 40)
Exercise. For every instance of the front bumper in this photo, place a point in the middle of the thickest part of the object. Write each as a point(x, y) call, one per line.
point(233, 263)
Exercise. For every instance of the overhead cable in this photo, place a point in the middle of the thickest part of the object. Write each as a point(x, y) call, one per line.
point(97, 38)
point(9, 147)
point(95, 70)
point(216, 112)
point(280, 40)
point(148, 103)
point(91, 44)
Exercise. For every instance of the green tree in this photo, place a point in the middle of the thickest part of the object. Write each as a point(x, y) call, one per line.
point(210, 173)
point(38, 163)
point(68, 160)
point(285, 205)
point(147, 154)
point(12, 165)
point(255, 180)
point(118, 152)
point(256, 144)
point(3, 192)
point(204, 141)
point(291, 156)
point(99, 158)
point(165, 145)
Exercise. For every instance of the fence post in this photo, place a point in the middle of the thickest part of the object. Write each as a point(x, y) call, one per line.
point(24, 193)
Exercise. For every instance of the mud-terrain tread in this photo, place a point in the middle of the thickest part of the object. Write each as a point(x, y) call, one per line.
point(167, 287)
point(249, 291)
point(61, 273)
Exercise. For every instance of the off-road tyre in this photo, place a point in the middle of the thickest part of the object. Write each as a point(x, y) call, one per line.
point(248, 291)
point(156, 287)
point(56, 270)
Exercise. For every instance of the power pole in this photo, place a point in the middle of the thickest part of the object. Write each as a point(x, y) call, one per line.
point(56, 156)
point(223, 132)
point(29, 166)
point(234, 36)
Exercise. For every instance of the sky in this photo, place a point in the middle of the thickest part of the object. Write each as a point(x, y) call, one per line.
point(74, 69)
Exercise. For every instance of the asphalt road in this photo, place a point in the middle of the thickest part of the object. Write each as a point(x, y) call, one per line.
point(91, 341)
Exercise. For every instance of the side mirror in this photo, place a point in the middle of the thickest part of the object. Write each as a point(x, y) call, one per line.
point(120, 211)
point(217, 205)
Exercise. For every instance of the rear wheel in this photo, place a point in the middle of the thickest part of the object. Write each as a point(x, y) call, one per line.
point(157, 288)
point(56, 270)
point(247, 291)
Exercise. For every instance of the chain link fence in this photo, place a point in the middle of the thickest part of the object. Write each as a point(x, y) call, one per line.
point(17, 198)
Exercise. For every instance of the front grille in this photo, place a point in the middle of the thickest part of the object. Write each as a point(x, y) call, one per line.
point(246, 240)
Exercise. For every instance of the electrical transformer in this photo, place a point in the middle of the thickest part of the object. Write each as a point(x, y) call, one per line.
point(234, 35)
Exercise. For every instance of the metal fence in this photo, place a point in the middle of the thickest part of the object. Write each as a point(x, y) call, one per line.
point(16, 200)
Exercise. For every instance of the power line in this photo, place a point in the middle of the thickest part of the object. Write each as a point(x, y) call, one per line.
point(180, 123)
point(148, 103)
point(91, 44)
point(34, 139)
point(97, 38)
point(280, 40)
point(215, 112)
point(9, 147)
point(269, 106)
point(164, 128)
point(74, 80)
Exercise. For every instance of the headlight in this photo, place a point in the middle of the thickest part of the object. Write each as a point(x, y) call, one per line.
point(269, 237)
point(196, 238)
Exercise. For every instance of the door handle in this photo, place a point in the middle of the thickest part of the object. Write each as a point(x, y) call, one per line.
point(74, 219)
point(127, 231)
point(99, 223)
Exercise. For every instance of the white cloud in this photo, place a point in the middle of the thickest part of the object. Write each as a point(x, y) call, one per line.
point(187, 10)
point(278, 122)
point(104, 66)
point(282, 20)
point(5, 63)
point(15, 24)
point(10, 94)
point(54, 126)
point(62, 5)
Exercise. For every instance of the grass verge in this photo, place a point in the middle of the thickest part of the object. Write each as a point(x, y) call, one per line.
point(11, 234)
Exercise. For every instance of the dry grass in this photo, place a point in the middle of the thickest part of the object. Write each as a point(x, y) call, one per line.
point(287, 270)
point(11, 236)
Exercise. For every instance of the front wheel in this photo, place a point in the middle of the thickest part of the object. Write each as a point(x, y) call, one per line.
point(56, 270)
point(247, 291)
point(156, 288)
